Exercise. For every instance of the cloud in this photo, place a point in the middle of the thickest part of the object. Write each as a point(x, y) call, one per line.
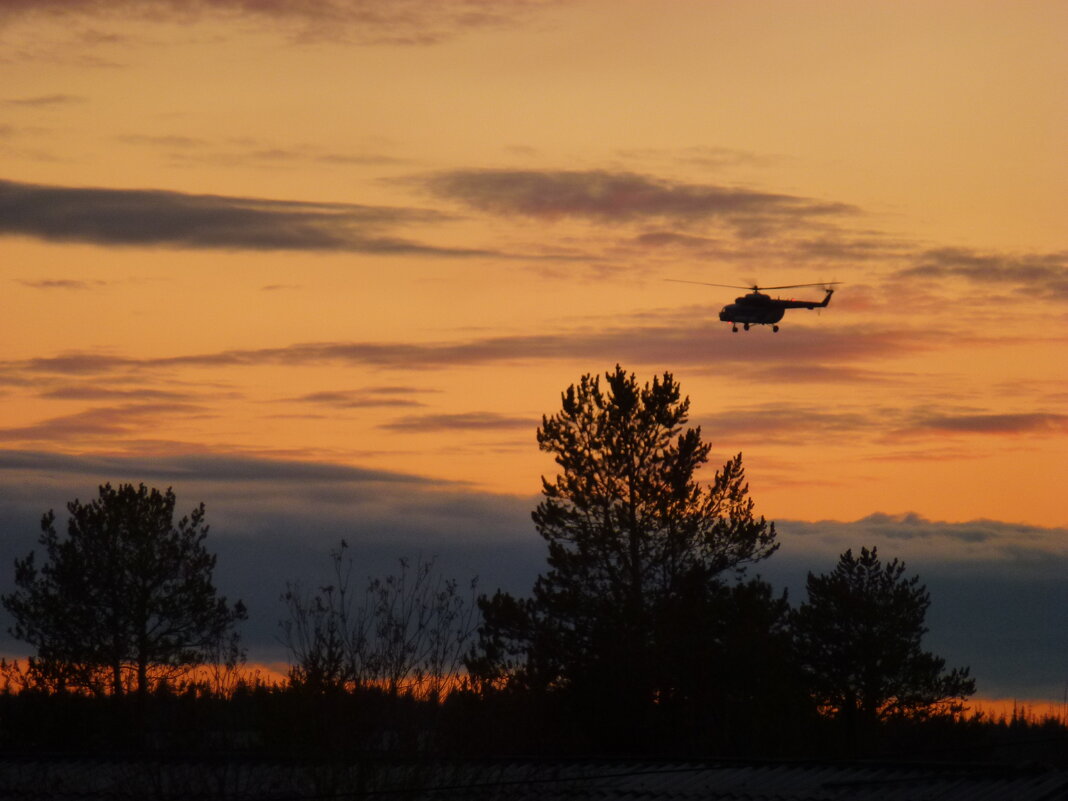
point(96, 422)
point(72, 364)
point(887, 423)
point(999, 596)
point(39, 101)
point(995, 545)
point(206, 467)
point(795, 424)
point(1030, 275)
point(359, 399)
point(92, 392)
point(465, 421)
point(275, 521)
point(619, 197)
point(714, 158)
point(1012, 423)
point(822, 255)
point(168, 141)
point(183, 150)
point(701, 346)
point(673, 239)
point(410, 22)
point(62, 283)
point(821, 374)
point(157, 218)
point(275, 156)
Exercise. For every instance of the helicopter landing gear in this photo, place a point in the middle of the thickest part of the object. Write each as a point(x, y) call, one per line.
point(734, 328)
point(746, 326)
point(775, 329)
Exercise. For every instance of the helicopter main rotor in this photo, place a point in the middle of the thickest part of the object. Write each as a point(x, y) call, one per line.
point(753, 287)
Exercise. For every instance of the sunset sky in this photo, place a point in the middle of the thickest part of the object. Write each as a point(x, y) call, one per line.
point(325, 265)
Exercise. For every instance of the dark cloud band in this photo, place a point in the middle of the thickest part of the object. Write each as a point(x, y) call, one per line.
point(1031, 275)
point(619, 197)
point(157, 218)
point(686, 343)
point(404, 22)
point(274, 522)
point(467, 421)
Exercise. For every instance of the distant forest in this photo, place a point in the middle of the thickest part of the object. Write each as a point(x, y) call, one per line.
point(643, 635)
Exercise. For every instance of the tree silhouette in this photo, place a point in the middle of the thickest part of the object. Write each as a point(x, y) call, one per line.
point(629, 530)
point(125, 597)
point(406, 632)
point(859, 640)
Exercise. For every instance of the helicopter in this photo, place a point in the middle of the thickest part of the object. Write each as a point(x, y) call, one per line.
point(756, 308)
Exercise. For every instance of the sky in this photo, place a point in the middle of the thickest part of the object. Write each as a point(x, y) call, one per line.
point(324, 266)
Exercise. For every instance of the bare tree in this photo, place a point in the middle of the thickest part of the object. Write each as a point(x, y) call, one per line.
point(406, 633)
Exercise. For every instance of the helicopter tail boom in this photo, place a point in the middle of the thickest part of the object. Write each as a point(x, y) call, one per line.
point(806, 304)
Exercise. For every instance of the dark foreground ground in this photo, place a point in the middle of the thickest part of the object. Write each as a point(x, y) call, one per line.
point(74, 778)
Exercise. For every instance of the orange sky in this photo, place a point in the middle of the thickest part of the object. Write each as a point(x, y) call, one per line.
point(913, 151)
point(387, 235)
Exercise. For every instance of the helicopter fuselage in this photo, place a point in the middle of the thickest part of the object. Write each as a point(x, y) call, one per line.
point(756, 308)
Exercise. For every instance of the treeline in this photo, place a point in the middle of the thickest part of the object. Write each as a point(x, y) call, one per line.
point(645, 633)
point(269, 719)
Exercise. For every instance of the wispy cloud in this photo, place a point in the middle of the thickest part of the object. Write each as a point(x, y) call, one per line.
point(244, 151)
point(1000, 546)
point(166, 141)
point(463, 421)
point(97, 422)
point(821, 253)
point(374, 397)
point(1034, 275)
point(675, 240)
point(93, 392)
point(706, 156)
point(72, 364)
point(405, 22)
point(61, 283)
point(157, 218)
point(40, 101)
point(687, 343)
point(211, 466)
point(278, 157)
point(1035, 423)
point(619, 197)
point(797, 424)
point(892, 421)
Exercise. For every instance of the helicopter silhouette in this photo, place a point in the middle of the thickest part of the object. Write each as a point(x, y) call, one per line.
point(756, 308)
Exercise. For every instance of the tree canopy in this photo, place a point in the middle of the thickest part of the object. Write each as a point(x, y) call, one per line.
point(630, 531)
point(859, 638)
point(125, 596)
point(628, 494)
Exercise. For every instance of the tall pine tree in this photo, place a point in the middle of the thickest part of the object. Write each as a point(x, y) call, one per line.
point(631, 534)
point(859, 638)
point(125, 596)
